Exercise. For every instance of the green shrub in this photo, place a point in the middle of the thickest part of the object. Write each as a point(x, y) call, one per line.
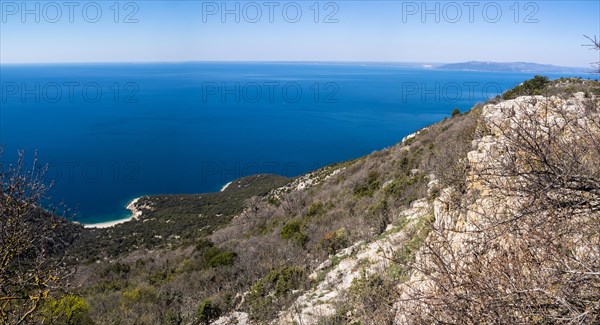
point(315, 209)
point(363, 284)
point(271, 292)
point(106, 286)
point(370, 185)
point(173, 317)
point(208, 312)
point(202, 244)
point(371, 297)
point(455, 112)
point(406, 188)
point(335, 240)
point(410, 141)
point(535, 86)
point(67, 310)
point(111, 270)
point(142, 294)
point(273, 201)
point(404, 257)
point(214, 257)
point(396, 187)
point(161, 277)
point(285, 279)
point(378, 207)
point(293, 231)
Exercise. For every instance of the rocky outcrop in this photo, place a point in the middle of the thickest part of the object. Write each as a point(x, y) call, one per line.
point(361, 259)
point(462, 220)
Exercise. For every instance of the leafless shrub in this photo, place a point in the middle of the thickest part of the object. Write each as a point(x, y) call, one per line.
point(28, 272)
point(448, 158)
point(371, 299)
point(594, 45)
point(529, 251)
point(293, 203)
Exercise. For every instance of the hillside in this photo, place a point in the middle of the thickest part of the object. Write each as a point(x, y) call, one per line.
point(173, 220)
point(274, 243)
point(490, 216)
point(511, 67)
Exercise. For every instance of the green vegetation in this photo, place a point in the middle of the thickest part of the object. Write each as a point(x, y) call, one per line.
point(67, 310)
point(315, 209)
point(142, 294)
point(455, 112)
point(271, 292)
point(333, 241)
point(215, 257)
point(535, 86)
point(505, 263)
point(174, 220)
point(370, 297)
point(293, 231)
point(161, 277)
point(565, 87)
point(409, 141)
point(404, 257)
point(364, 284)
point(562, 87)
point(34, 245)
point(399, 185)
point(369, 186)
point(208, 312)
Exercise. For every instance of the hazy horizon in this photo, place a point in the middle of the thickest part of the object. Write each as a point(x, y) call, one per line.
point(282, 61)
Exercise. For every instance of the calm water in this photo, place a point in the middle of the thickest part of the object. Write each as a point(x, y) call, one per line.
point(113, 132)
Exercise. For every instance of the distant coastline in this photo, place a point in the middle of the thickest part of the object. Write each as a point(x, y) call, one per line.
point(523, 67)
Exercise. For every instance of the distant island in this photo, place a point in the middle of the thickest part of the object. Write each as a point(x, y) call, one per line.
point(511, 67)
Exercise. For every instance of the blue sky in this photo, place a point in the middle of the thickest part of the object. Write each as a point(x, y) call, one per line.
point(536, 31)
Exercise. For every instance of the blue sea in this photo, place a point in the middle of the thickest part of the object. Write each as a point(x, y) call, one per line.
point(113, 132)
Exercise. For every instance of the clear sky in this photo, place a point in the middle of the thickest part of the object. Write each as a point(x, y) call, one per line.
point(406, 31)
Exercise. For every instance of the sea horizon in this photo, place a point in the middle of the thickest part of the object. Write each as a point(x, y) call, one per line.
point(416, 64)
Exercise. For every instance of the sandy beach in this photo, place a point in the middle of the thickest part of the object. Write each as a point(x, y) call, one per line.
point(135, 213)
point(225, 186)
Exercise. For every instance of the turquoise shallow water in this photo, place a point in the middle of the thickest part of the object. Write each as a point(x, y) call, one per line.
point(113, 132)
